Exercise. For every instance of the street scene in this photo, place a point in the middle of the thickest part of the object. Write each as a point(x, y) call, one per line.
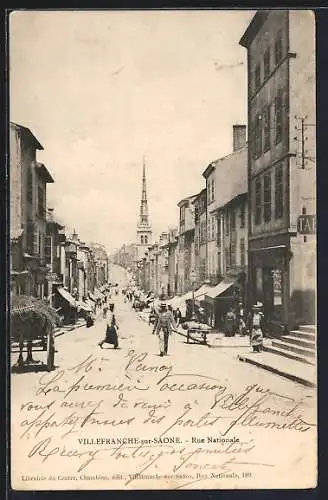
point(163, 267)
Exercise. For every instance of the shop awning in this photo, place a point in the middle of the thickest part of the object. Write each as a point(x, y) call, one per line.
point(201, 292)
point(67, 296)
point(85, 306)
point(92, 297)
point(98, 294)
point(217, 290)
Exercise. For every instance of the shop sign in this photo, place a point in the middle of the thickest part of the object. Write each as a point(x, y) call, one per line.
point(307, 224)
point(51, 277)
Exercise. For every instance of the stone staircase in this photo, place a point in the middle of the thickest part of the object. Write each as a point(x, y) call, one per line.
point(299, 344)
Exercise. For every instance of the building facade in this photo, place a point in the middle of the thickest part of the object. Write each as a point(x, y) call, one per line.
point(281, 170)
point(172, 246)
point(186, 253)
point(200, 246)
point(28, 189)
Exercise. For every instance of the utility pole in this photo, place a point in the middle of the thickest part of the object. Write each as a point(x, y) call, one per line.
point(302, 154)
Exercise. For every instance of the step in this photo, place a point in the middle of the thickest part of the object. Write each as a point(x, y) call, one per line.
point(294, 340)
point(288, 354)
point(297, 350)
point(308, 328)
point(303, 335)
point(298, 372)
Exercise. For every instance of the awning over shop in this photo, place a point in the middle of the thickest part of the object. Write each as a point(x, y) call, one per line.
point(85, 306)
point(217, 290)
point(201, 292)
point(67, 296)
point(98, 294)
point(92, 297)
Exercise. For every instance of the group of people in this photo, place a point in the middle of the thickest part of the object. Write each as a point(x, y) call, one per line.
point(166, 320)
point(253, 324)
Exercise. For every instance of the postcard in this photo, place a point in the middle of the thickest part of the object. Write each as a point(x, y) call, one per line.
point(162, 170)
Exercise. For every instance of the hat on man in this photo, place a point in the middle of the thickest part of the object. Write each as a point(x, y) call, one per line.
point(163, 305)
point(258, 305)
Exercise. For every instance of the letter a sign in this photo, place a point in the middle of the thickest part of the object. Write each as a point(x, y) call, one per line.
point(306, 224)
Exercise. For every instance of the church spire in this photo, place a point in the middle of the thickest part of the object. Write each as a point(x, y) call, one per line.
point(144, 218)
point(144, 231)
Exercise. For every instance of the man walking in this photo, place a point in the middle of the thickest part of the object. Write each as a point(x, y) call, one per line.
point(163, 328)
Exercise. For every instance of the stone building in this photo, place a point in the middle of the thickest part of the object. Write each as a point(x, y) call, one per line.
point(282, 165)
point(200, 246)
point(186, 265)
point(28, 189)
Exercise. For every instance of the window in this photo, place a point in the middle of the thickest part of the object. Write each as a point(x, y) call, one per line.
point(227, 222)
point(41, 204)
point(242, 251)
point(227, 256)
point(212, 192)
point(267, 197)
point(182, 214)
point(196, 214)
point(142, 240)
point(29, 185)
point(213, 228)
point(258, 136)
point(278, 48)
point(278, 117)
point(242, 216)
point(258, 202)
point(233, 253)
point(208, 191)
point(257, 76)
point(266, 128)
point(146, 240)
point(266, 64)
point(219, 222)
point(233, 220)
point(208, 230)
point(279, 206)
point(47, 249)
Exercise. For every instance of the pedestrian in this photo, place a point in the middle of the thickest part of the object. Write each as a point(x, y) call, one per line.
point(230, 323)
point(111, 329)
point(89, 319)
point(105, 310)
point(163, 328)
point(178, 316)
point(256, 327)
point(241, 319)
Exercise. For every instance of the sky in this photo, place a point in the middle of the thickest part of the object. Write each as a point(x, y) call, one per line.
point(100, 90)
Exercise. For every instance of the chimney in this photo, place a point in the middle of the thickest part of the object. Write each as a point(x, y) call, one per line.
point(75, 236)
point(50, 214)
point(239, 136)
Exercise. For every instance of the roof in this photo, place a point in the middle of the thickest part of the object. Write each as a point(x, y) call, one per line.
point(44, 172)
point(199, 195)
point(28, 134)
point(208, 170)
point(253, 28)
point(236, 199)
point(188, 198)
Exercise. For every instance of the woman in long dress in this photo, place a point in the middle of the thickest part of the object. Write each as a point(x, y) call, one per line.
point(256, 327)
point(111, 329)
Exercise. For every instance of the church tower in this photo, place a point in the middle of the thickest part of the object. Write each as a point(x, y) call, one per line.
point(144, 231)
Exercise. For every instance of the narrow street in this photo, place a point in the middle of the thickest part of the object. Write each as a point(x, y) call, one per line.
point(187, 396)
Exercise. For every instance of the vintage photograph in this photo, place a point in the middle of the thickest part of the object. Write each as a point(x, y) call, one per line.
point(162, 176)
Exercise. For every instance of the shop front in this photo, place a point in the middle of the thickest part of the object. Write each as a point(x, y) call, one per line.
point(269, 283)
point(218, 301)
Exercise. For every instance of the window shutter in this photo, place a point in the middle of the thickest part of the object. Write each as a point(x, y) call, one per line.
point(35, 239)
point(48, 249)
